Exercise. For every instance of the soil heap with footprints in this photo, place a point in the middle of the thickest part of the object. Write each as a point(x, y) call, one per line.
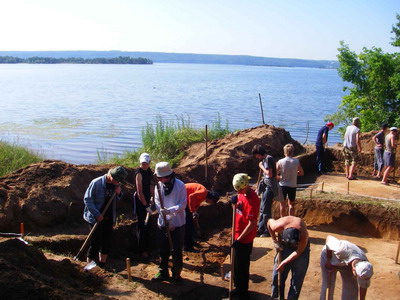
point(48, 198)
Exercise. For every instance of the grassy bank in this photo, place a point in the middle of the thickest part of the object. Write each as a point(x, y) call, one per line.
point(14, 157)
point(167, 141)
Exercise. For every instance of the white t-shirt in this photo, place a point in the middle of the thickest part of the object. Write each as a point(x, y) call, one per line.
point(344, 251)
point(350, 136)
point(288, 170)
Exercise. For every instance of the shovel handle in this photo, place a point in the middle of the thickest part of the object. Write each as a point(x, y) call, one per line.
point(171, 246)
point(94, 227)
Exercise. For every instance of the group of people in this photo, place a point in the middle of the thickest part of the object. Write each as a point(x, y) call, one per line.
point(177, 206)
point(176, 203)
point(289, 234)
point(384, 150)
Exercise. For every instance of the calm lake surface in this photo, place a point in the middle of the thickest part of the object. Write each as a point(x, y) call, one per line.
point(70, 112)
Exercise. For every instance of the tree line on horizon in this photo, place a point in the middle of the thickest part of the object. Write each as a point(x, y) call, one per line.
point(75, 60)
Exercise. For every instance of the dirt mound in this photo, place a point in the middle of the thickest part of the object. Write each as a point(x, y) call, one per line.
point(47, 194)
point(232, 154)
point(27, 274)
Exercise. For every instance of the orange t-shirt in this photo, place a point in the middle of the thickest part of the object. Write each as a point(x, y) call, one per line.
point(196, 193)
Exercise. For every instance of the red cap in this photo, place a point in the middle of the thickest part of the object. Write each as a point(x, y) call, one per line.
point(330, 124)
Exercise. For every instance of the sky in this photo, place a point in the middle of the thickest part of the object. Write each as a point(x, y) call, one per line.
point(307, 29)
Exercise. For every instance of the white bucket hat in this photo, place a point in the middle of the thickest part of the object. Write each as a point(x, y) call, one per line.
point(364, 271)
point(163, 169)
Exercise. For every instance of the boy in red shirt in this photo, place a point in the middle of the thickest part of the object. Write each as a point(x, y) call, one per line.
point(247, 209)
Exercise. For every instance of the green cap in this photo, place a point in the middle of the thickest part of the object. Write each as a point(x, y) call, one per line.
point(119, 174)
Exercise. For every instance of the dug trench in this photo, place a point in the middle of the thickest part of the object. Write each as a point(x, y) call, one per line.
point(47, 197)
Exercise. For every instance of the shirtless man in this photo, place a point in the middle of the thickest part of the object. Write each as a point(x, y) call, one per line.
point(290, 238)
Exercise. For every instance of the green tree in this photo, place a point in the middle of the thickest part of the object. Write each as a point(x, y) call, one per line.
point(374, 93)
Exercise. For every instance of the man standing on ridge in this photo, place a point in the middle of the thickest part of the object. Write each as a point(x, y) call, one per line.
point(322, 139)
point(352, 148)
point(196, 194)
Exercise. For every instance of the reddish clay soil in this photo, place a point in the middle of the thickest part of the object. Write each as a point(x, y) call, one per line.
point(47, 197)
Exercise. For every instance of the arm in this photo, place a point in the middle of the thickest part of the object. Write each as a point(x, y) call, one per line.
point(139, 188)
point(393, 142)
point(300, 171)
point(278, 171)
point(267, 172)
point(323, 139)
point(375, 140)
point(295, 254)
point(181, 203)
point(249, 228)
point(89, 200)
point(358, 141)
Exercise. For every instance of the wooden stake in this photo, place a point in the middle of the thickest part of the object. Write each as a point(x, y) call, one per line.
point(322, 187)
point(128, 268)
point(398, 252)
point(22, 228)
point(311, 189)
point(262, 111)
point(206, 168)
point(348, 188)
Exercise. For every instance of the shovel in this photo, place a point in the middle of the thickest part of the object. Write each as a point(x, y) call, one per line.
point(94, 228)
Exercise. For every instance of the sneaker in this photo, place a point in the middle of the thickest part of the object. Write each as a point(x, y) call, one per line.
point(265, 235)
point(160, 277)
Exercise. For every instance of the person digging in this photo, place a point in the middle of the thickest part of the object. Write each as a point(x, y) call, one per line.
point(290, 237)
point(170, 199)
point(196, 194)
point(98, 195)
point(352, 264)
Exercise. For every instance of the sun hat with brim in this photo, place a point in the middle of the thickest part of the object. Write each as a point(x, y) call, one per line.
point(393, 129)
point(119, 174)
point(163, 169)
point(364, 271)
point(144, 158)
point(291, 237)
point(240, 181)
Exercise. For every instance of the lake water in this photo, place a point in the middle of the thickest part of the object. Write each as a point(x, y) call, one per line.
point(70, 112)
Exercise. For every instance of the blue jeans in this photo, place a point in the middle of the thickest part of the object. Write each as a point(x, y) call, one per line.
point(265, 210)
point(320, 158)
point(298, 267)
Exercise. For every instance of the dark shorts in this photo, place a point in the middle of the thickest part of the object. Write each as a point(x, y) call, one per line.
point(289, 192)
point(389, 158)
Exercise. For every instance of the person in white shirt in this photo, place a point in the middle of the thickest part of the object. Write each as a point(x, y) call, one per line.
point(288, 169)
point(352, 148)
point(352, 264)
point(171, 199)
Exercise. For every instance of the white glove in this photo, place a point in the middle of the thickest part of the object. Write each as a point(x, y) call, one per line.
point(165, 212)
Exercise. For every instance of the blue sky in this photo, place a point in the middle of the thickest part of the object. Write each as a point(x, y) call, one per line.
point(308, 29)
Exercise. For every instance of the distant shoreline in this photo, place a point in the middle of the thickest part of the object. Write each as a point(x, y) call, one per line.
point(164, 57)
point(120, 60)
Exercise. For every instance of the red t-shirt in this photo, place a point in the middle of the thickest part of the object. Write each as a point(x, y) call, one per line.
point(196, 194)
point(247, 208)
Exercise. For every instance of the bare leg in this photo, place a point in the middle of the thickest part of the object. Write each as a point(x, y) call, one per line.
point(283, 208)
point(386, 174)
point(347, 170)
point(352, 168)
point(291, 208)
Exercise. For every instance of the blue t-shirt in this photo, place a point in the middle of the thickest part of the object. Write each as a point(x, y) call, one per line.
point(324, 129)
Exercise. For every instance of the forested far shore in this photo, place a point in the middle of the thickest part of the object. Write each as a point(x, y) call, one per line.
point(75, 60)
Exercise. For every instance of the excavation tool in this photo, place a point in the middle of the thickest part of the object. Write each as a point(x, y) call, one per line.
point(171, 246)
point(86, 242)
point(330, 285)
point(231, 278)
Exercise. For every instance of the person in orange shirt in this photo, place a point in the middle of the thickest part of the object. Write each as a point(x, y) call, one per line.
point(196, 194)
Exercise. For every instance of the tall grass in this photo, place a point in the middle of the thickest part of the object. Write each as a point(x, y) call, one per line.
point(167, 141)
point(14, 157)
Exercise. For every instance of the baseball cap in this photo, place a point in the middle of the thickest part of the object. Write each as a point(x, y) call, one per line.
point(291, 237)
point(163, 169)
point(144, 157)
point(330, 124)
point(364, 271)
point(240, 181)
point(393, 128)
point(119, 173)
